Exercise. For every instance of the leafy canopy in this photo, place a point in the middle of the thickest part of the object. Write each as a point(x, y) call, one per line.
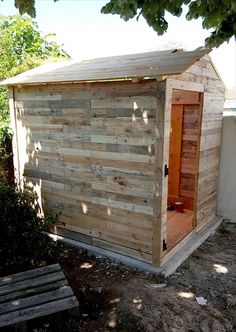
point(22, 47)
point(219, 15)
point(23, 244)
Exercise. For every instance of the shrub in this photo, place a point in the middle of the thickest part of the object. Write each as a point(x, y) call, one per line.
point(23, 241)
point(6, 156)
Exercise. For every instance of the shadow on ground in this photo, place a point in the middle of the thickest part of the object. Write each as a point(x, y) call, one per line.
point(113, 297)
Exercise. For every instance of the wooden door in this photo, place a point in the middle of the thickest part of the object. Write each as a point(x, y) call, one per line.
point(175, 150)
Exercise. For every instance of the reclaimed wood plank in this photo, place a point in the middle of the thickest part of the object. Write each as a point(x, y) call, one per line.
point(134, 102)
point(127, 240)
point(29, 274)
point(37, 311)
point(31, 282)
point(33, 291)
point(175, 150)
point(138, 254)
point(31, 301)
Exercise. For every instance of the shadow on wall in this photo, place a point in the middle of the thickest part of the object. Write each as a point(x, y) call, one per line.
point(58, 164)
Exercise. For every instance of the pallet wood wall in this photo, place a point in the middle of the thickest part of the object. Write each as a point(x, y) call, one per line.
point(204, 78)
point(96, 152)
point(89, 150)
point(189, 152)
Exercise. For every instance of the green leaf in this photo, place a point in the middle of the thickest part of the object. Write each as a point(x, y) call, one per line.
point(22, 47)
point(219, 15)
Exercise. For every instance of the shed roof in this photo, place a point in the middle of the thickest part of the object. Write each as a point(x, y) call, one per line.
point(131, 66)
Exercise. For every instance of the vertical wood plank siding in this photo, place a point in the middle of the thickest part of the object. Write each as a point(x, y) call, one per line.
point(89, 149)
point(159, 204)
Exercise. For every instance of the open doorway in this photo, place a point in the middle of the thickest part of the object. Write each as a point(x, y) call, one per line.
point(183, 164)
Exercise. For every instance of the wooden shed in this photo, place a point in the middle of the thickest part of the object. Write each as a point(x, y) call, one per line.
point(126, 148)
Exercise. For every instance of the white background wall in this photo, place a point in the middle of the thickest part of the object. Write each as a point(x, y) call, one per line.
point(227, 180)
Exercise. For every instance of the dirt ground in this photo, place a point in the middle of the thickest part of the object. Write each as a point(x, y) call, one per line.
point(113, 297)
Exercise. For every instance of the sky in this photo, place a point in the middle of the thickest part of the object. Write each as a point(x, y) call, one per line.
point(86, 33)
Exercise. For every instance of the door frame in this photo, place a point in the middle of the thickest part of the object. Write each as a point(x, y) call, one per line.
point(175, 84)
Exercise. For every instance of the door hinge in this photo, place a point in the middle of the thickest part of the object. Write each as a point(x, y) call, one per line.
point(166, 171)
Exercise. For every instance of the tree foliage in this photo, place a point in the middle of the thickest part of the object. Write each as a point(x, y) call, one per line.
point(219, 15)
point(23, 244)
point(22, 47)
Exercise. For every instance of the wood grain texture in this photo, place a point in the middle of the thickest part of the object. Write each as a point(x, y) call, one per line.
point(15, 140)
point(90, 150)
point(96, 152)
point(189, 152)
point(29, 274)
point(123, 67)
point(34, 293)
point(175, 150)
point(202, 73)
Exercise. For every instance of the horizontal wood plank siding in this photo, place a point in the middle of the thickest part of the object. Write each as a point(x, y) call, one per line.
point(189, 153)
point(89, 150)
point(96, 152)
point(204, 73)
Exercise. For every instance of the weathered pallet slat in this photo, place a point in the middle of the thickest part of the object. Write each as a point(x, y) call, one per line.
point(33, 282)
point(104, 162)
point(96, 151)
point(37, 311)
point(34, 300)
point(29, 274)
point(34, 293)
point(204, 74)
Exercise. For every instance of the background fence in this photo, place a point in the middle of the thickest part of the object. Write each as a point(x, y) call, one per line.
point(227, 180)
